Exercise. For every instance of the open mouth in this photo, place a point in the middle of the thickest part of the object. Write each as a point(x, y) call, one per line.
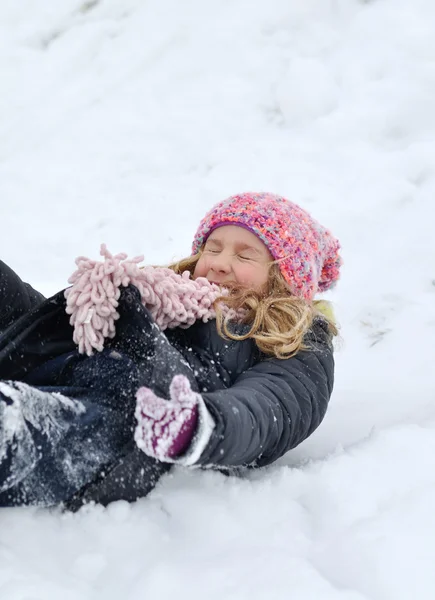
point(228, 285)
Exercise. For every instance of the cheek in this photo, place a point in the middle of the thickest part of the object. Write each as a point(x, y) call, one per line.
point(255, 276)
point(201, 268)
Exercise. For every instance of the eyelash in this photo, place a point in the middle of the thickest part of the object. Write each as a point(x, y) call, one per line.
point(239, 256)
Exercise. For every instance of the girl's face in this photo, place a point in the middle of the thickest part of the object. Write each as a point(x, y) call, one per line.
point(233, 255)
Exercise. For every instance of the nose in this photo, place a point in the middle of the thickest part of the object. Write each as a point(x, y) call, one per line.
point(221, 263)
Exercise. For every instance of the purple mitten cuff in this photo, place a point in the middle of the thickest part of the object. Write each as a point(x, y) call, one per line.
point(184, 438)
point(201, 438)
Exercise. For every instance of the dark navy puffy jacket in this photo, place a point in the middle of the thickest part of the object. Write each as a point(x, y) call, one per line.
point(261, 406)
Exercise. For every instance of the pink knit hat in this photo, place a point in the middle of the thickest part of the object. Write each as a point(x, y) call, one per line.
point(307, 252)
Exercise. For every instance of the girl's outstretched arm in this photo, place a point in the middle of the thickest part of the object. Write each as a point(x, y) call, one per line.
point(270, 409)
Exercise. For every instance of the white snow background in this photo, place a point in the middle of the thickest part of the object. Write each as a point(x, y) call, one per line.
point(123, 121)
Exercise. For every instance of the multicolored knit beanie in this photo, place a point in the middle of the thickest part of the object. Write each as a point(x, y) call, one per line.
point(307, 253)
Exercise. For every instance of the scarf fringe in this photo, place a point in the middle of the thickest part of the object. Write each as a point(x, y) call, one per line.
point(173, 300)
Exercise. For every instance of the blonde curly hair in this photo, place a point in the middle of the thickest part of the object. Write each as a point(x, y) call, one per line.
point(278, 320)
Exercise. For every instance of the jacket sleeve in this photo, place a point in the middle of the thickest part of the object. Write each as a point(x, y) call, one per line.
point(16, 297)
point(271, 408)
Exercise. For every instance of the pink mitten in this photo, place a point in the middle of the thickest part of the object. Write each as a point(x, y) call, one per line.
point(166, 427)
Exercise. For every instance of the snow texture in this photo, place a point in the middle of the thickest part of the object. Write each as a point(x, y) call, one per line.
point(26, 408)
point(123, 122)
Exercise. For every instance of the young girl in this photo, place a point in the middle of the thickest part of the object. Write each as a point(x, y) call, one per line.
point(240, 390)
point(277, 257)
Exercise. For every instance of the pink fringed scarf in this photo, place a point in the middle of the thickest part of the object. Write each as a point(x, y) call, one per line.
point(173, 300)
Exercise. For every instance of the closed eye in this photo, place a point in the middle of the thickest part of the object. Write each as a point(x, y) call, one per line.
point(247, 256)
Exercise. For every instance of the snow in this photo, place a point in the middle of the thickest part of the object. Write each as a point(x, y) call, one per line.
point(123, 121)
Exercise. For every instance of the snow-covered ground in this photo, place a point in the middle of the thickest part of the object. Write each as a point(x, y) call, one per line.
point(123, 121)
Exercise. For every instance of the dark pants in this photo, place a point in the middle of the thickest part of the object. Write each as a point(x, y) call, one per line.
point(67, 420)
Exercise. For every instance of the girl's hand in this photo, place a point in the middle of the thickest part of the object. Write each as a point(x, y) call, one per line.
point(166, 427)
